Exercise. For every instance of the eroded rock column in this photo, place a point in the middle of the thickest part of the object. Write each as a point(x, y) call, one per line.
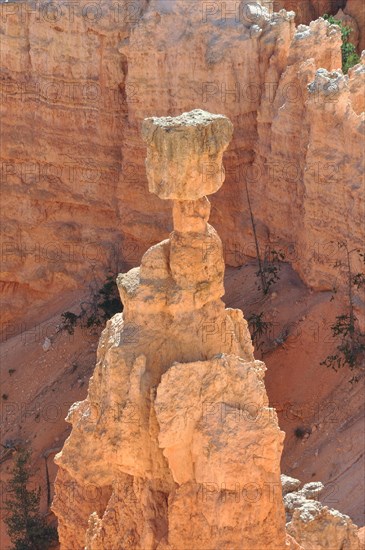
point(176, 432)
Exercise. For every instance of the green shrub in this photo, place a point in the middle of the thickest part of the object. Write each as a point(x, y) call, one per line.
point(69, 321)
point(269, 269)
point(258, 328)
point(300, 432)
point(351, 347)
point(108, 300)
point(350, 350)
point(348, 50)
point(101, 305)
point(26, 527)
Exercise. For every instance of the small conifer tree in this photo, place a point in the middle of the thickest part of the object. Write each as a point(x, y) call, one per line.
point(26, 527)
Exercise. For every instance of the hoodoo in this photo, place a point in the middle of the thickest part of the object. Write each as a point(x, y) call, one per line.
point(175, 445)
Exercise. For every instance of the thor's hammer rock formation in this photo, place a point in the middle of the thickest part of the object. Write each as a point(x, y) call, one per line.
point(175, 446)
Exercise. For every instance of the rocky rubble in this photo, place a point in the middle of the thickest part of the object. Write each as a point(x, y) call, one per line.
point(313, 525)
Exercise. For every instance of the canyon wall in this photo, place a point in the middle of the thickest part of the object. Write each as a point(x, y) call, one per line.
point(64, 113)
point(355, 9)
point(283, 114)
point(309, 10)
point(76, 86)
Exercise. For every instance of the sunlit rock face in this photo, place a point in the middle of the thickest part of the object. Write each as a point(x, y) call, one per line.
point(176, 434)
point(184, 158)
point(76, 201)
point(313, 525)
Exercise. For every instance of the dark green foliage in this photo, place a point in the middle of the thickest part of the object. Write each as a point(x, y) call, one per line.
point(350, 350)
point(358, 280)
point(109, 302)
point(269, 270)
point(300, 432)
point(26, 527)
point(102, 304)
point(258, 328)
point(349, 55)
point(69, 321)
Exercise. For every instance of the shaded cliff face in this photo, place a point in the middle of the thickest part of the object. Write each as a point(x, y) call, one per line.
point(76, 86)
point(309, 10)
point(355, 9)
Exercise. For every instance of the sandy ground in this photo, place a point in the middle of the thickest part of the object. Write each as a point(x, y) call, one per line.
point(38, 386)
point(38, 393)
